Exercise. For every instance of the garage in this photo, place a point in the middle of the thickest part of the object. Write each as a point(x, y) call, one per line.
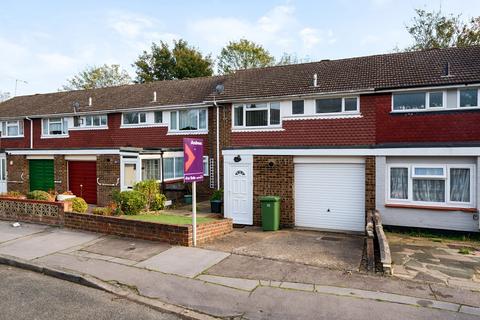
point(82, 180)
point(41, 174)
point(330, 193)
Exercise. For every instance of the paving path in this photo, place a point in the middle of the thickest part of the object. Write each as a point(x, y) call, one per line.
point(226, 285)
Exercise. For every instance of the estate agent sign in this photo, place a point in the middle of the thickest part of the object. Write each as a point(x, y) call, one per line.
point(192, 160)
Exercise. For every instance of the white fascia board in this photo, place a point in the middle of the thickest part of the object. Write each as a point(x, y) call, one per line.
point(429, 88)
point(298, 96)
point(65, 152)
point(453, 151)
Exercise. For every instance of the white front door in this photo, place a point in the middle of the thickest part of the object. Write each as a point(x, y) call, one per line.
point(130, 173)
point(239, 192)
point(330, 196)
point(3, 174)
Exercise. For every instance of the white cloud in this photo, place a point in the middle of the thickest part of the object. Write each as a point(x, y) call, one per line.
point(57, 61)
point(279, 30)
point(129, 24)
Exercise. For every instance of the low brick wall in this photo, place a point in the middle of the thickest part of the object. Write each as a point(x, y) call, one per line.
point(173, 234)
point(43, 212)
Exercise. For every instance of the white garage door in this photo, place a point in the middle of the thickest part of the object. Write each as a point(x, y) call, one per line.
point(330, 196)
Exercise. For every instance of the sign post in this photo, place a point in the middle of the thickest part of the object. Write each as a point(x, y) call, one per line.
point(193, 172)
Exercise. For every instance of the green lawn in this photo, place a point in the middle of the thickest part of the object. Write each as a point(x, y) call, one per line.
point(167, 218)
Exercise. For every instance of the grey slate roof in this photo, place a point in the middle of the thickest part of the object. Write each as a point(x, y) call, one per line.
point(377, 72)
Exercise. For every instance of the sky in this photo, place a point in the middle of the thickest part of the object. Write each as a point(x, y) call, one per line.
point(46, 42)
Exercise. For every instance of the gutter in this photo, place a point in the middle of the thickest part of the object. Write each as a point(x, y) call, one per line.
point(31, 131)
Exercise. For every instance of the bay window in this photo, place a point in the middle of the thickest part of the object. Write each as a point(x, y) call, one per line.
point(132, 118)
point(90, 121)
point(12, 129)
point(54, 127)
point(337, 105)
point(256, 115)
point(188, 120)
point(448, 185)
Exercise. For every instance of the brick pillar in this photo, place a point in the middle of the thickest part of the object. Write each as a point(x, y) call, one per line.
point(370, 183)
point(18, 174)
point(108, 174)
point(60, 173)
point(274, 176)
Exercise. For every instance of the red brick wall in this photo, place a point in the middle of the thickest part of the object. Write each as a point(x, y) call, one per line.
point(114, 137)
point(455, 126)
point(320, 132)
point(18, 174)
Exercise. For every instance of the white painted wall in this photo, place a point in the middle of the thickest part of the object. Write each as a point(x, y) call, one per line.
point(448, 220)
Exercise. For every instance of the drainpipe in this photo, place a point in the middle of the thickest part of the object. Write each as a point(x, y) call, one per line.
point(218, 144)
point(31, 131)
point(161, 172)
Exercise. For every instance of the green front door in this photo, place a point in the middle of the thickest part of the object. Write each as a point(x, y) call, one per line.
point(41, 175)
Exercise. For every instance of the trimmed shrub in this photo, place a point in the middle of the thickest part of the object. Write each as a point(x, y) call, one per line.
point(14, 195)
point(130, 202)
point(78, 205)
point(103, 211)
point(151, 190)
point(217, 195)
point(39, 195)
point(158, 202)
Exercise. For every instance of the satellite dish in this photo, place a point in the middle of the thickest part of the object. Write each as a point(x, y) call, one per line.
point(219, 88)
point(76, 104)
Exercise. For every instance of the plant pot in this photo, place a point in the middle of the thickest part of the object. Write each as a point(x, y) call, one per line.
point(63, 197)
point(187, 199)
point(216, 206)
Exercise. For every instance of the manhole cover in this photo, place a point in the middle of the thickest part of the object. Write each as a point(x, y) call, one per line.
point(328, 238)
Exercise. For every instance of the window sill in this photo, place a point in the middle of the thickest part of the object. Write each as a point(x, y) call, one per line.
point(186, 132)
point(436, 208)
point(324, 116)
point(15, 137)
point(257, 129)
point(63, 136)
point(143, 125)
point(438, 109)
point(89, 128)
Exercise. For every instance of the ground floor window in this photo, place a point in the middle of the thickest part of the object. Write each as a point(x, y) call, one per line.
point(431, 184)
point(151, 169)
point(172, 168)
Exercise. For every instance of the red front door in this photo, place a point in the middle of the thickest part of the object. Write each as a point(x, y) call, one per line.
point(82, 180)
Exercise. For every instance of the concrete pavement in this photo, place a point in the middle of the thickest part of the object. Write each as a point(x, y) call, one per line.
point(230, 285)
point(27, 295)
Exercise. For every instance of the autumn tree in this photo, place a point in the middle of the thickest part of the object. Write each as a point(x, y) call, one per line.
point(94, 77)
point(243, 54)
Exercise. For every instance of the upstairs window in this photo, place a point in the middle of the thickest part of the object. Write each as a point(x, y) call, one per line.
point(132, 118)
point(468, 98)
point(337, 105)
point(54, 127)
point(188, 120)
point(158, 116)
point(298, 107)
point(12, 129)
point(418, 100)
point(256, 115)
point(90, 121)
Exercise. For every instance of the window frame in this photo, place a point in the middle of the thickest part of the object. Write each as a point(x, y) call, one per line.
point(177, 121)
point(139, 118)
point(427, 101)
point(65, 128)
point(357, 111)
point(303, 107)
point(83, 123)
point(411, 176)
point(470, 107)
point(268, 108)
point(18, 124)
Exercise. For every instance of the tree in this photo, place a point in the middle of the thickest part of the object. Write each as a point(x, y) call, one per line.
point(98, 77)
point(241, 55)
point(288, 58)
point(4, 96)
point(163, 63)
point(433, 29)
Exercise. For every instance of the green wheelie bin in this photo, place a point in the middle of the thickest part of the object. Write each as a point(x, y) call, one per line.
point(270, 213)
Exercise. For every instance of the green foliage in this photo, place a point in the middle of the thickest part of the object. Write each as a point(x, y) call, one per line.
point(163, 63)
point(78, 205)
point(217, 195)
point(288, 58)
point(465, 251)
point(98, 77)
point(431, 30)
point(14, 194)
point(103, 211)
point(151, 190)
point(39, 195)
point(130, 202)
point(241, 55)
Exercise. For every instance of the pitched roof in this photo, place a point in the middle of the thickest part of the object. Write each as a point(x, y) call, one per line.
point(377, 72)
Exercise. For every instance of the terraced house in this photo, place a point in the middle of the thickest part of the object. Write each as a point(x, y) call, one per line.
point(397, 132)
